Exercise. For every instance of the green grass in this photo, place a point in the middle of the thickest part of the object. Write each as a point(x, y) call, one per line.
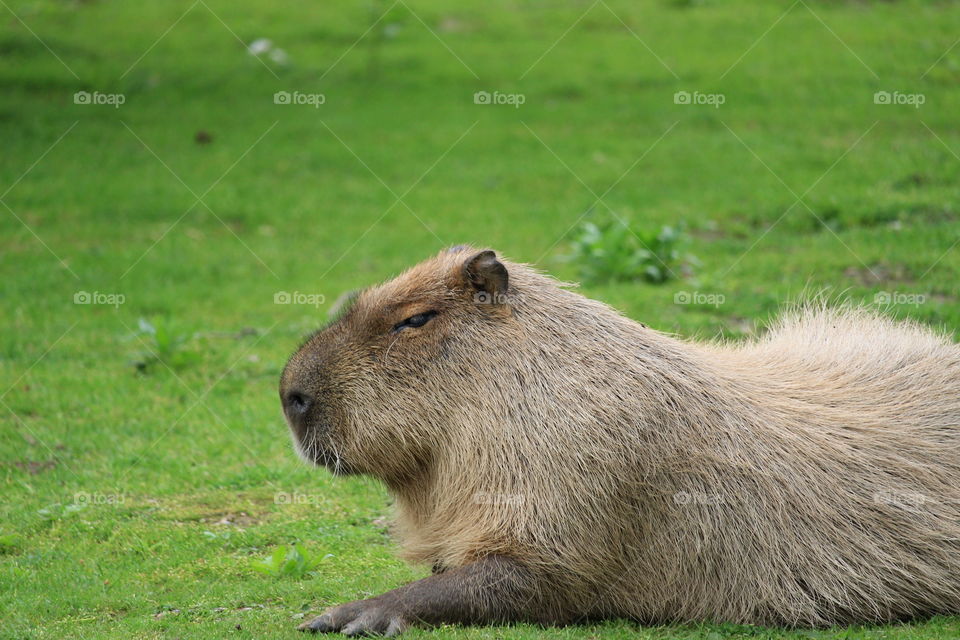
point(138, 491)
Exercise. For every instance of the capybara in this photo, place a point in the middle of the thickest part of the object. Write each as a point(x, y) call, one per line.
point(555, 461)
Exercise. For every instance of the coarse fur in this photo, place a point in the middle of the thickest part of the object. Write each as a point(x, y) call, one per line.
point(806, 478)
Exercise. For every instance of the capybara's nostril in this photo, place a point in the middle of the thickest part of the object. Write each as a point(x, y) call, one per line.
point(296, 403)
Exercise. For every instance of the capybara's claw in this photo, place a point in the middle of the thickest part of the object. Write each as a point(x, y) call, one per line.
point(362, 618)
point(320, 623)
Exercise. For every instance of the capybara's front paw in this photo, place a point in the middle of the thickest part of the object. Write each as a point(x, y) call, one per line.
point(373, 617)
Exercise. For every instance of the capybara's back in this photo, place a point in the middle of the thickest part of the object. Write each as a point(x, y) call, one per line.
point(825, 488)
point(555, 461)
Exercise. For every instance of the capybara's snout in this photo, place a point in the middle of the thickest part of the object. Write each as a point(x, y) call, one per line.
point(296, 406)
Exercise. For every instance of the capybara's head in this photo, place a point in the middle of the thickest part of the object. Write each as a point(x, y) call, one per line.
point(372, 391)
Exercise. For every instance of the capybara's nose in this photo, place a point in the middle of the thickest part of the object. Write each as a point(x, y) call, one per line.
point(296, 404)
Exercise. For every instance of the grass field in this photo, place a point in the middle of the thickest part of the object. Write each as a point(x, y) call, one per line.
point(144, 460)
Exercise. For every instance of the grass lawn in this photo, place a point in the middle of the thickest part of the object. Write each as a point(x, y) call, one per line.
point(144, 462)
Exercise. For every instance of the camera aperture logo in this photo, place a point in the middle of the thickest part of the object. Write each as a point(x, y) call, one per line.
point(885, 298)
point(483, 497)
point(295, 497)
point(297, 297)
point(296, 97)
point(699, 298)
point(684, 498)
point(98, 297)
point(513, 99)
point(96, 98)
point(901, 499)
point(86, 498)
point(485, 297)
point(896, 97)
point(710, 99)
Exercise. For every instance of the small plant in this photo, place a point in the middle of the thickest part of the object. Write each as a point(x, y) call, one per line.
point(210, 535)
point(293, 561)
point(163, 345)
point(60, 511)
point(610, 250)
point(10, 543)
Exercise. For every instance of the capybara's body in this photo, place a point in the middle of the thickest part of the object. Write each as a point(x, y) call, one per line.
point(810, 477)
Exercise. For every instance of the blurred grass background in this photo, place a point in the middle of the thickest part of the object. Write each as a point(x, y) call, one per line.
point(154, 423)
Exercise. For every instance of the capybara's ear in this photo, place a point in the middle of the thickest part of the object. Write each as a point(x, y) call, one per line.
point(487, 274)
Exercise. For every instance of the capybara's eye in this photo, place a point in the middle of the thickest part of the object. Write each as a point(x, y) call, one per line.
point(415, 321)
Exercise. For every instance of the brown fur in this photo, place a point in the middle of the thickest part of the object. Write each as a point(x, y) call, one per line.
point(810, 477)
